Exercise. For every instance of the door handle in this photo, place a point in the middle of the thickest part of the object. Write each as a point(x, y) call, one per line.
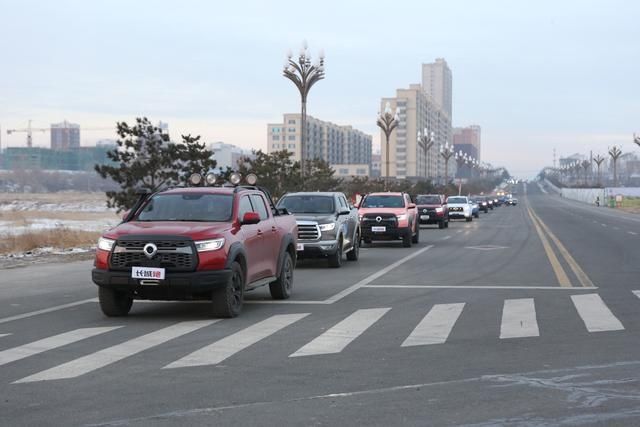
point(259, 233)
point(273, 228)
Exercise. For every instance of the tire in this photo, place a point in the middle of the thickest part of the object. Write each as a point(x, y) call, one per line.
point(416, 237)
point(335, 260)
point(476, 215)
point(469, 219)
point(406, 239)
point(227, 301)
point(446, 224)
point(354, 253)
point(114, 303)
point(441, 225)
point(282, 287)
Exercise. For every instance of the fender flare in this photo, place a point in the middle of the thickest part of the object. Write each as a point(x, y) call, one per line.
point(287, 240)
point(236, 249)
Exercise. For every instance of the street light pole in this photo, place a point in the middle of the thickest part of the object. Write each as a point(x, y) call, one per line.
point(598, 161)
point(461, 160)
point(304, 75)
point(425, 141)
point(636, 139)
point(387, 122)
point(446, 153)
point(615, 154)
point(585, 165)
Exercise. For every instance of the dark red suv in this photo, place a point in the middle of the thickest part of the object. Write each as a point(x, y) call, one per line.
point(210, 243)
point(433, 209)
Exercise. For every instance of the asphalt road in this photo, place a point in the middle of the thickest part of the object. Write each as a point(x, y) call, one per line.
point(526, 316)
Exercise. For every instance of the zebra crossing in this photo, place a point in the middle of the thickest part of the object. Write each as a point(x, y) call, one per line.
point(518, 320)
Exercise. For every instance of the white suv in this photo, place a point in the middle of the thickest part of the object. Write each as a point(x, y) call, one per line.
point(460, 207)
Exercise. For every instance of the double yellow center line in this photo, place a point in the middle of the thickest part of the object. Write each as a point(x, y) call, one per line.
point(561, 275)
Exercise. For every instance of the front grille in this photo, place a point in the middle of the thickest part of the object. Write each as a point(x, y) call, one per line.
point(308, 231)
point(174, 255)
point(371, 220)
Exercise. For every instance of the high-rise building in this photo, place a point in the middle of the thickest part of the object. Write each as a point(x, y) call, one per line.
point(227, 155)
point(65, 136)
point(467, 140)
point(417, 111)
point(438, 83)
point(325, 140)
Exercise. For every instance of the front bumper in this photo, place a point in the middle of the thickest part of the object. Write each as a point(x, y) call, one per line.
point(459, 214)
point(175, 286)
point(318, 248)
point(394, 233)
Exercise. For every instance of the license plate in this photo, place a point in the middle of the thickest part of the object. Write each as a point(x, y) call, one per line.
point(300, 247)
point(378, 229)
point(424, 216)
point(148, 273)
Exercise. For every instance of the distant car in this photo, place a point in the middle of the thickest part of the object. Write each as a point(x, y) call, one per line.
point(483, 204)
point(475, 208)
point(459, 207)
point(512, 201)
point(389, 216)
point(490, 203)
point(433, 209)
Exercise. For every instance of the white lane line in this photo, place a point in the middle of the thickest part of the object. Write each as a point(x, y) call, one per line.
point(459, 231)
point(604, 225)
point(446, 238)
point(50, 343)
point(342, 334)
point(110, 355)
point(519, 319)
point(616, 228)
point(45, 310)
point(232, 344)
point(436, 326)
point(633, 233)
point(636, 293)
point(4, 335)
point(595, 314)
point(374, 276)
point(552, 288)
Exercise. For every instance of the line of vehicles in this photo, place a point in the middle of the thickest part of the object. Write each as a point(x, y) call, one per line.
point(216, 242)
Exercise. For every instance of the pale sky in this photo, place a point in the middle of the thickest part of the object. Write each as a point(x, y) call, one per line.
point(535, 75)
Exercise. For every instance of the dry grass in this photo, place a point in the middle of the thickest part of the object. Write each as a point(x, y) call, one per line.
point(62, 197)
point(60, 238)
point(22, 217)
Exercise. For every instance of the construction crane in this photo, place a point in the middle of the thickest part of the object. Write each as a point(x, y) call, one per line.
point(29, 130)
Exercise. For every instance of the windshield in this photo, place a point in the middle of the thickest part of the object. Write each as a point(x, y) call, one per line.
point(383, 202)
point(188, 207)
point(428, 200)
point(307, 204)
point(457, 200)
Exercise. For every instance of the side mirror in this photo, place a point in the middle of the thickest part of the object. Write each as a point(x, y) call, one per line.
point(412, 205)
point(250, 218)
point(344, 212)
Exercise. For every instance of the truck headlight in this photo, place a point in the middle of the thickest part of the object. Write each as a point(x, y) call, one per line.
point(105, 244)
point(401, 217)
point(327, 227)
point(209, 245)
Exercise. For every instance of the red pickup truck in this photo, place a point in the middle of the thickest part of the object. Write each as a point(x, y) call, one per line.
point(211, 243)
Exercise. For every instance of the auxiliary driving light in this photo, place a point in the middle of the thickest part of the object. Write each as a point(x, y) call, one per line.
point(251, 179)
point(195, 179)
point(235, 178)
point(211, 178)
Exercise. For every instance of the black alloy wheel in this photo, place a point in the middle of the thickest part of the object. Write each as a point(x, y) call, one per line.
point(283, 286)
point(354, 253)
point(228, 300)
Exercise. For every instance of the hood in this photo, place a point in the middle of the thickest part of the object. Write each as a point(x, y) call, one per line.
point(395, 211)
point(320, 218)
point(194, 230)
point(429, 205)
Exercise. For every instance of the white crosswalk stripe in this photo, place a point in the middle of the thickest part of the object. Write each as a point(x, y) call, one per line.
point(338, 337)
point(50, 343)
point(110, 355)
point(519, 319)
point(4, 335)
point(636, 293)
point(595, 314)
point(436, 326)
point(228, 346)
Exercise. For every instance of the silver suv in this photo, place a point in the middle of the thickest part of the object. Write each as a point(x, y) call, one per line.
point(328, 225)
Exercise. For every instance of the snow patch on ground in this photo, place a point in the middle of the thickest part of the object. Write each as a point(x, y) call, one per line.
point(8, 228)
point(32, 205)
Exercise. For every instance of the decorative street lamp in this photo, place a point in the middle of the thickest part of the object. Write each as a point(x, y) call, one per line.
point(387, 121)
point(598, 161)
point(585, 165)
point(461, 160)
point(304, 75)
point(636, 139)
point(615, 154)
point(425, 141)
point(446, 152)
